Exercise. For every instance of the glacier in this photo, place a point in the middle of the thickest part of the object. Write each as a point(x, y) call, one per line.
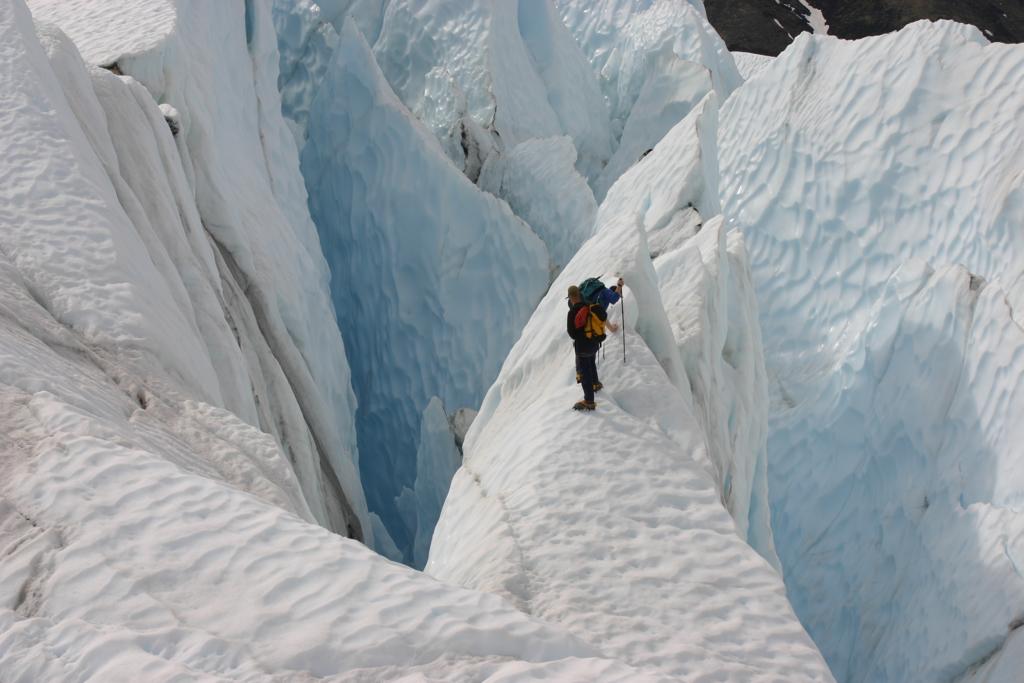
point(878, 187)
point(805, 459)
point(539, 181)
point(750, 65)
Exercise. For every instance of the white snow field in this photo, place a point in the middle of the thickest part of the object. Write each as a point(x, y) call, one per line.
point(413, 278)
point(880, 188)
point(612, 524)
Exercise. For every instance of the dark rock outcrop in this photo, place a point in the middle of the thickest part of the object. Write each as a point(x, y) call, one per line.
point(767, 27)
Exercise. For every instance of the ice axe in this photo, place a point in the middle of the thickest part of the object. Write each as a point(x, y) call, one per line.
point(622, 295)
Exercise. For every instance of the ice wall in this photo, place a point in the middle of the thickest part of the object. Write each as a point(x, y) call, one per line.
point(878, 184)
point(613, 524)
point(539, 181)
point(710, 302)
point(493, 71)
point(306, 41)
point(220, 210)
point(433, 278)
point(437, 460)
point(630, 44)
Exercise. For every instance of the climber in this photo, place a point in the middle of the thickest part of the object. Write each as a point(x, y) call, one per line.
point(585, 324)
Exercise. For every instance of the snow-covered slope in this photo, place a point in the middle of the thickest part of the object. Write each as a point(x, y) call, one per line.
point(105, 31)
point(879, 186)
point(613, 524)
point(433, 278)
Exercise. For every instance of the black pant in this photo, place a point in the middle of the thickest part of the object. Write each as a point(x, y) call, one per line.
point(586, 365)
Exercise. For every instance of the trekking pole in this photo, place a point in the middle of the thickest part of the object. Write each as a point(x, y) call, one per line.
point(623, 295)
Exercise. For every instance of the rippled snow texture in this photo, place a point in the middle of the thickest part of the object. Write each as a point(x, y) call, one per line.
point(106, 30)
point(235, 198)
point(879, 186)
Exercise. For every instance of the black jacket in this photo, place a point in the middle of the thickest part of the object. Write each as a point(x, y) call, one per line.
point(580, 341)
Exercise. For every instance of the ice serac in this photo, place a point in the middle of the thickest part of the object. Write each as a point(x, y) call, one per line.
point(671, 90)
point(612, 524)
point(539, 181)
point(710, 301)
point(420, 257)
point(629, 43)
point(437, 460)
point(306, 40)
point(879, 187)
point(486, 72)
point(219, 209)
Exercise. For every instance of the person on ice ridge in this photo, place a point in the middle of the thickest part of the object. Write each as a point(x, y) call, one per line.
point(586, 322)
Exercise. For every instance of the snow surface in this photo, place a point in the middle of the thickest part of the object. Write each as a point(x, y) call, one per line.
point(612, 524)
point(413, 279)
point(107, 30)
point(878, 184)
point(750, 64)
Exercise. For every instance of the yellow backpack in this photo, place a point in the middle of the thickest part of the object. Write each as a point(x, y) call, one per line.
point(593, 326)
